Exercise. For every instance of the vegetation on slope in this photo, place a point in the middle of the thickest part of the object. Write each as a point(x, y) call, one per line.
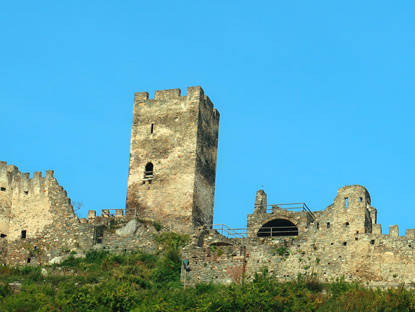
point(142, 282)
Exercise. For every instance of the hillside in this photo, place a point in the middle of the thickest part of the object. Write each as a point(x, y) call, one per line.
point(138, 281)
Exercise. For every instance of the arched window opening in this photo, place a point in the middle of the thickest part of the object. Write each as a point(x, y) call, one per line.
point(148, 172)
point(278, 227)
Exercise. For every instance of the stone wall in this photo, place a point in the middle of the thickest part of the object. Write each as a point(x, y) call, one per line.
point(38, 224)
point(343, 241)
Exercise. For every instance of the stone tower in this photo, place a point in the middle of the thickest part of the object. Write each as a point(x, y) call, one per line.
point(173, 152)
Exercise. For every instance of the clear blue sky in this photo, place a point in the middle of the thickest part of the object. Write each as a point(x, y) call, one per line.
point(313, 95)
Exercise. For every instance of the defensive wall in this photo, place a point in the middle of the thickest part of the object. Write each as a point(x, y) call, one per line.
point(38, 224)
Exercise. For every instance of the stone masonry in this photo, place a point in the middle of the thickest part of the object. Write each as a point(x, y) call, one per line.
point(343, 240)
point(173, 152)
point(171, 186)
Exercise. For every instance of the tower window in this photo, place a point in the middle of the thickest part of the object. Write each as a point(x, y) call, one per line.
point(28, 260)
point(3, 189)
point(346, 204)
point(23, 234)
point(152, 128)
point(328, 225)
point(148, 172)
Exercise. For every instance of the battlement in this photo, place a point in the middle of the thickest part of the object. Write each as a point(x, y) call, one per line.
point(172, 98)
point(12, 181)
point(193, 93)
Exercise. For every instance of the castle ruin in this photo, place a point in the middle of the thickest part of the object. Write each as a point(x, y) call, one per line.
point(171, 182)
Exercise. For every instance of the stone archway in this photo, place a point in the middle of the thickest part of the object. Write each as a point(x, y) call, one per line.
point(278, 227)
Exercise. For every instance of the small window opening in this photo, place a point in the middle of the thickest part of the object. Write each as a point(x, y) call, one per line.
point(28, 260)
point(372, 242)
point(26, 192)
point(347, 224)
point(360, 199)
point(3, 235)
point(24, 234)
point(328, 225)
point(344, 243)
point(148, 172)
point(346, 204)
point(152, 128)
point(3, 189)
point(357, 232)
point(331, 244)
point(99, 240)
point(356, 238)
point(318, 225)
point(409, 246)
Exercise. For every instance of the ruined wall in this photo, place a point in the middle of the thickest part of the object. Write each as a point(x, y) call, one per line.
point(351, 246)
point(38, 224)
point(176, 136)
point(37, 218)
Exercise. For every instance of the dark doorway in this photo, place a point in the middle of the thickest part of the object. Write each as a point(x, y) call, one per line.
point(278, 227)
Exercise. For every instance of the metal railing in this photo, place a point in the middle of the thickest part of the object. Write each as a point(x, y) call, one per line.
point(226, 231)
point(290, 230)
point(293, 207)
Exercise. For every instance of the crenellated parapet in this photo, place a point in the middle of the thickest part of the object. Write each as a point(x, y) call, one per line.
point(172, 98)
point(25, 198)
point(16, 184)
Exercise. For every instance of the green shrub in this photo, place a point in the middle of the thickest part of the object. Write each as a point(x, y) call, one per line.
point(172, 240)
point(96, 256)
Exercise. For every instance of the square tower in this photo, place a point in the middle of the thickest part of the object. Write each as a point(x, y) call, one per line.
point(172, 171)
